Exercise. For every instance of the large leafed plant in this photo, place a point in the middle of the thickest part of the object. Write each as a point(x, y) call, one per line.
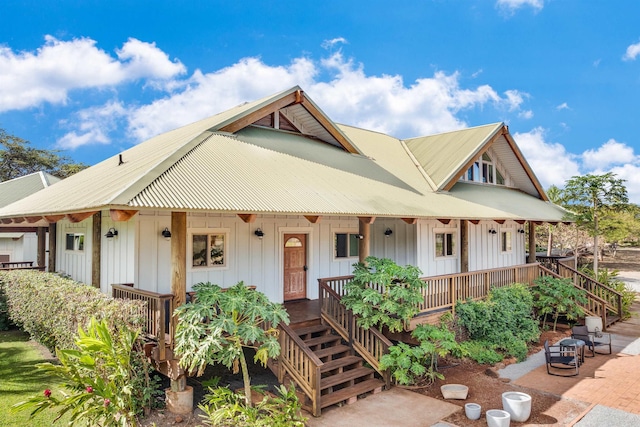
point(383, 293)
point(220, 323)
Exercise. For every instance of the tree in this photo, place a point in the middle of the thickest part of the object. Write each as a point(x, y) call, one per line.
point(17, 159)
point(220, 323)
point(555, 196)
point(590, 196)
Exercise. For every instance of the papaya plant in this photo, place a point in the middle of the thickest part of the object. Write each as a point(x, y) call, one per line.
point(220, 323)
point(557, 297)
point(383, 293)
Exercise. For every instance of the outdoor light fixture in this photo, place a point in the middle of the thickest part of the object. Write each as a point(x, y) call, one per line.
point(493, 231)
point(521, 230)
point(166, 233)
point(111, 233)
point(388, 232)
point(259, 233)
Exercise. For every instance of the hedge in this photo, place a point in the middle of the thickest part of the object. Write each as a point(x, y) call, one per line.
point(51, 308)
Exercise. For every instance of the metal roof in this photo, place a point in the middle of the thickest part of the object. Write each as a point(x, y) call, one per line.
point(262, 170)
point(19, 188)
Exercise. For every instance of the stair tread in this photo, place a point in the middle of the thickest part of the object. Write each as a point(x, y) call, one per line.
point(330, 351)
point(340, 362)
point(346, 393)
point(322, 340)
point(345, 376)
point(312, 329)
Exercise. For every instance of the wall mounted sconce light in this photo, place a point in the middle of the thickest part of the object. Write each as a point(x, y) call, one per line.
point(259, 233)
point(388, 232)
point(360, 236)
point(111, 233)
point(166, 233)
point(521, 231)
point(493, 231)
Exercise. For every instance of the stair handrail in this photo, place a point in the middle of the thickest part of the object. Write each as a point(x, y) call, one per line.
point(301, 363)
point(370, 344)
point(595, 306)
point(610, 295)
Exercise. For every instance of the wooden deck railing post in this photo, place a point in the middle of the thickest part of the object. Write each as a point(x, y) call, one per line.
point(452, 294)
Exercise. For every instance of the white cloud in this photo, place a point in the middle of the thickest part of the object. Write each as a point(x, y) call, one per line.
point(515, 98)
point(329, 44)
point(47, 75)
point(527, 114)
point(92, 126)
point(513, 5)
point(563, 106)
point(609, 154)
point(550, 161)
point(630, 173)
point(632, 52)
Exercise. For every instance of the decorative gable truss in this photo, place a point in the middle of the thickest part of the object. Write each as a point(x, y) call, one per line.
point(294, 112)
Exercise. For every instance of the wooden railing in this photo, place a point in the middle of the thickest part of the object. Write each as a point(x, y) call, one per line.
point(551, 262)
point(612, 297)
point(20, 265)
point(157, 316)
point(370, 343)
point(297, 359)
point(442, 292)
point(595, 306)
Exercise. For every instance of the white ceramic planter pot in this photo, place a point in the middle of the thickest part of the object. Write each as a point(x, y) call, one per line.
point(498, 418)
point(454, 391)
point(593, 322)
point(517, 404)
point(472, 411)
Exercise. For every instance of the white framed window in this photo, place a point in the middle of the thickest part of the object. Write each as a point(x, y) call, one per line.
point(209, 248)
point(74, 242)
point(445, 244)
point(506, 241)
point(484, 170)
point(346, 244)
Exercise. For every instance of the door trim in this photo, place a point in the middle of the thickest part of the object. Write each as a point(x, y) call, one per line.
point(311, 293)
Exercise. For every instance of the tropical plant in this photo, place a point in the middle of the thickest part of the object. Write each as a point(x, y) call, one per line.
point(414, 364)
point(220, 323)
point(504, 320)
point(558, 297)
point(223, 407)
point(590, 196)
point(106, 379)
point(383, 293)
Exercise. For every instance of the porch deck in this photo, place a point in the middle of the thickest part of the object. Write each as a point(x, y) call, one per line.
point(303, 313)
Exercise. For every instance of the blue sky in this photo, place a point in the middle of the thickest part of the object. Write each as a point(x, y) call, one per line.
point(92, 78)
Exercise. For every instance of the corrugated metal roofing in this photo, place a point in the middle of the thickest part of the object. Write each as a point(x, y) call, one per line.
point(260, 170)
point(19, 188)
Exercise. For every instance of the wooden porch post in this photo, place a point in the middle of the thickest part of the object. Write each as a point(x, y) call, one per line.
point(52, 247)
point(464, 246)
point(532, 243)
point(42, 246)
point(178, 279)
point(364, 228)
point(96, 249)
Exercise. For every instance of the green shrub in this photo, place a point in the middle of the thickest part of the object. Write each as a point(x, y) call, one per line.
point(225, 408)
point(5, 322)
point(504, 320)
point(480, 351)
point(106, 380)
point(558, 297)
point(384, 294)
point(51, 308)
point(415, 364)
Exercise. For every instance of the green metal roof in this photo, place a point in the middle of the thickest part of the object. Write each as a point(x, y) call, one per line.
point(19, 188)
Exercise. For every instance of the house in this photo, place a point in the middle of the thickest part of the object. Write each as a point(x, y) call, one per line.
point(274, 193)
point(19, 242)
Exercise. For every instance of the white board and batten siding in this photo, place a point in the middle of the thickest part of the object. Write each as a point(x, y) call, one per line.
point(427, 260)
point(485, 249)
point(24, 248)
point(118, 254)
point(74, 263)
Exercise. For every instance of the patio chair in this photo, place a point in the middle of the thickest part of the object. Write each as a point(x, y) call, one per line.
point(561, 357)
point(592, 339)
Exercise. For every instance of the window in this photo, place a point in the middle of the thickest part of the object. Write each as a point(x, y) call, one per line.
point(75, 242)
point(487, 169)
point(347, 245)
point(209, 250)
point(505, 241)
point(445, 244)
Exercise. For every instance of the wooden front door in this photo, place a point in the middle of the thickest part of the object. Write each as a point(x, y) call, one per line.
point(295, 266)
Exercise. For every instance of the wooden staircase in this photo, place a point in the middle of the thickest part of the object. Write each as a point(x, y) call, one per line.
point(343, 376)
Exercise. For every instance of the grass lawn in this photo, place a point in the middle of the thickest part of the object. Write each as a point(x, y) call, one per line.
point(20, 379)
